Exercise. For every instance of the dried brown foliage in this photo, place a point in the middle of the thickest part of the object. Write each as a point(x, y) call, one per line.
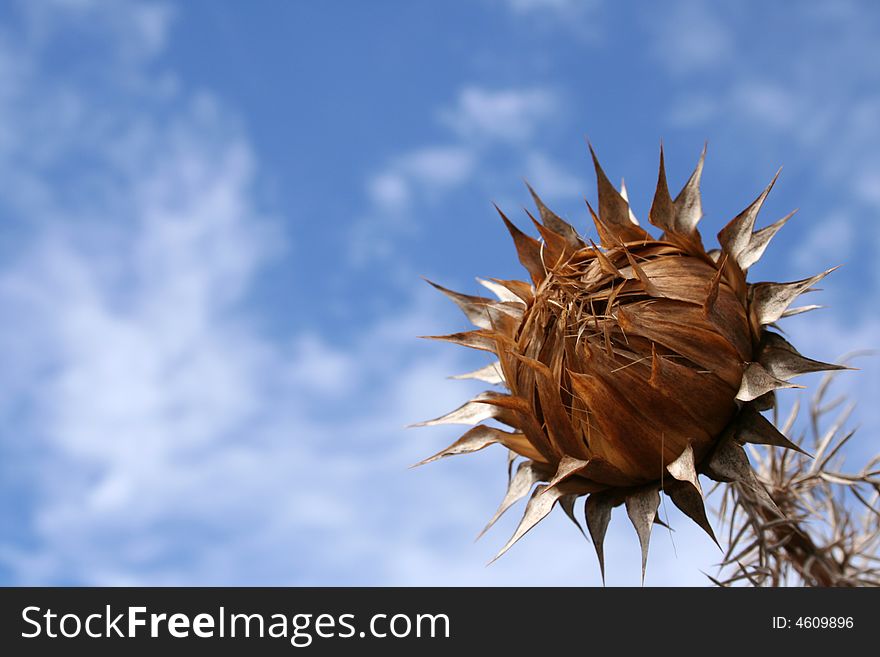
point(823, 525)
point(633, 366)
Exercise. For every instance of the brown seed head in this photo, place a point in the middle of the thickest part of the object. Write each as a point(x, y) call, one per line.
point(631, 366)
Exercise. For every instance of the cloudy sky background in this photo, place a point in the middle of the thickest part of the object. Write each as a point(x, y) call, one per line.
point(215, 217)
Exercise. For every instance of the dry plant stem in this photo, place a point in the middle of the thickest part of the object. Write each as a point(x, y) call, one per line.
point(823, 525)
point(807, 559)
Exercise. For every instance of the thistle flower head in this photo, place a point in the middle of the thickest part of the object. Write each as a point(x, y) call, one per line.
point(631, 366)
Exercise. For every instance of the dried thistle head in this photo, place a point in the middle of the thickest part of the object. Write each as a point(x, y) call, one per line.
point(630, 367)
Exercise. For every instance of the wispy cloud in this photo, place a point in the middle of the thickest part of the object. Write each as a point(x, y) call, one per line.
point(490, 130)
point(580, 18)
point(421, 173)
point(693, 109)
point(169, 440)
point(145, 361)
point(690, 37)
point(526, 6)
point(503, 114)
point(832, 240)
point(553, 180)
point(479, 119)
point(163, 436)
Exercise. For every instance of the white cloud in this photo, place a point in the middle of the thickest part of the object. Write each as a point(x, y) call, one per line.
point(580, 18)
point(138, 30)
point(147, 368)
point(771, 105)
point(688, 37)
point(553, 181)
point(505, 114)
point(480, 119)
point(482, 122)
point(322, 369)
point(831, 240)
point(389, 190)
point(866, 184)
point(439, 167)
point(692, 109)
point(526, 6)
point(421, 173)
point(178, 445)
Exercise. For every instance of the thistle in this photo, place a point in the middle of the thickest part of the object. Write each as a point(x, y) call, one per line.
point(633, 366)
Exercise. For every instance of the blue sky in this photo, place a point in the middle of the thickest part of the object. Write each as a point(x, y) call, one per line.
point(216, 215)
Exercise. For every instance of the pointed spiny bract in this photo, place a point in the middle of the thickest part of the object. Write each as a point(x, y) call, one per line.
point(625, 197)
point(759, 240)
point(554, 248)
point(474, 308)
point(597, 513)
point(641, 507)
point(765, 402)
point(614, 211)
point(567, 503)
point(661, 523)
point(512, 456)
point(752, 427)
point(730, 463)
point(482, 436)
point(471, 412)
point(528, 249)
point(568, 466)
point(556, 223)
point(520, 289)
point(688, 204)
point(662, 212)
point(757, 381)
point(784, 362)
point(684, 469)
point(503, 293)
point(736, 236)
point(528, 473)
point(491, 373)
point(791, 312)
point(604, 263)
point(770, 300)
point(689, 501)
point(474, 440)
point(605, 234)
point(536, 510)
point(481, 340)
